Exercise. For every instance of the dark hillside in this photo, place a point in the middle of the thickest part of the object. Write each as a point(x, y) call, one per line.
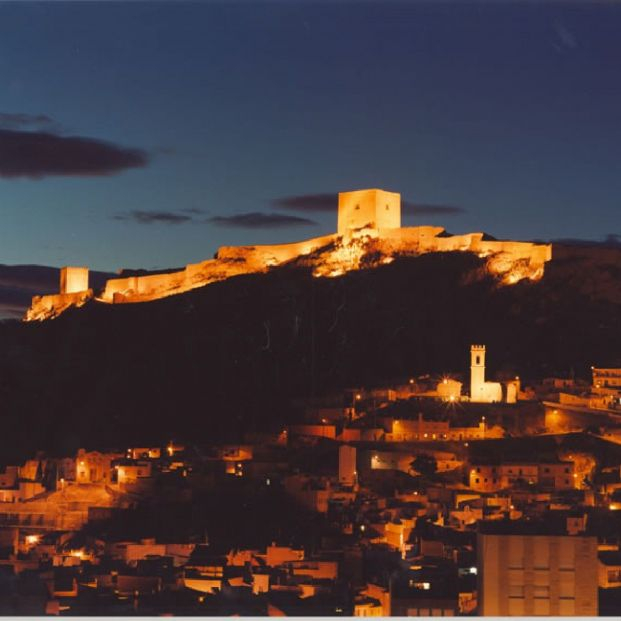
point(216, 361)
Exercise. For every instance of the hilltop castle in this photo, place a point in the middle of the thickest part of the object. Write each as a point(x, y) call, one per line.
point(369, 221)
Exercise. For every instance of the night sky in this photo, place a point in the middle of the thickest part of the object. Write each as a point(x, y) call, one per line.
point(147, 134)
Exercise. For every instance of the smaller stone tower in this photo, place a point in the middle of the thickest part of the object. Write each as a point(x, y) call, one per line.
point(373, 209)
point(73, 279)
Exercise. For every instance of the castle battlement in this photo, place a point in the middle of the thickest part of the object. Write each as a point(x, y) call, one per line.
point(368, 222)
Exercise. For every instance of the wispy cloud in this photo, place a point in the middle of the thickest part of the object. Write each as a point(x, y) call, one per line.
point(19, 120)
point(257, 220)
point(564, 39)
point(308, 202)
point(154, 217)
point(38, 154)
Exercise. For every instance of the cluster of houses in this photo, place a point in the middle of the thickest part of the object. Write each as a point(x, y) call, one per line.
point(602, 395)
point(410, 500)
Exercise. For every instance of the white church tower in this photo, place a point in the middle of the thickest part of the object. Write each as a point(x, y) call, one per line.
point(477, 370)
point(480, 390)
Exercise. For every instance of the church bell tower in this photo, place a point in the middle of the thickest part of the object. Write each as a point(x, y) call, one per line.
point(477, 370)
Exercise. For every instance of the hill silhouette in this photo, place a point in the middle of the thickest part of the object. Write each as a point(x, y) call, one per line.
point(217, 361)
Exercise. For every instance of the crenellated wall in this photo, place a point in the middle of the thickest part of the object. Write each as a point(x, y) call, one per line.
point(257, 258)
point(155, 286)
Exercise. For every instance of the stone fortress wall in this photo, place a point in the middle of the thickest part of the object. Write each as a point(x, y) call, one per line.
point(367, 220)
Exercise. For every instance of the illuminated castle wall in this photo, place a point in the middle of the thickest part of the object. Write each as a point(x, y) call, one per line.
point(369, 221)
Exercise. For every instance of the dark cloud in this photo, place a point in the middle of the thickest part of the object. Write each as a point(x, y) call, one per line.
point(10, 311)
point(329, 203)
point(308, 202)
point(19, 120)
point(420, 209)
point(610, 241)
point(40, 154)
point(193, 211)
point(154, 217)
point(256, 220)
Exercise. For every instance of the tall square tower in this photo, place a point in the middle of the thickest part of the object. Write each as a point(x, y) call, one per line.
point(374, 209)
point(73, 279)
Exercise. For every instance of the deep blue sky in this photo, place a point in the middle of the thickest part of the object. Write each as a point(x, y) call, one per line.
point(510, 112)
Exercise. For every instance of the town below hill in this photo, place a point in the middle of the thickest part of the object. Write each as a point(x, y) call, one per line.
point(407, 499)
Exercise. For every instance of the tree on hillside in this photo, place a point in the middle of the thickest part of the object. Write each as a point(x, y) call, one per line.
point(425, 464)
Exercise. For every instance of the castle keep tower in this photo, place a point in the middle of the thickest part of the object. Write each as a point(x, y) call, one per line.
point(73, 279)
point(374, 209)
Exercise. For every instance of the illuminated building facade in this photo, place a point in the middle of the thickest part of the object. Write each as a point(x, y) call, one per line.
point(524, 573)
